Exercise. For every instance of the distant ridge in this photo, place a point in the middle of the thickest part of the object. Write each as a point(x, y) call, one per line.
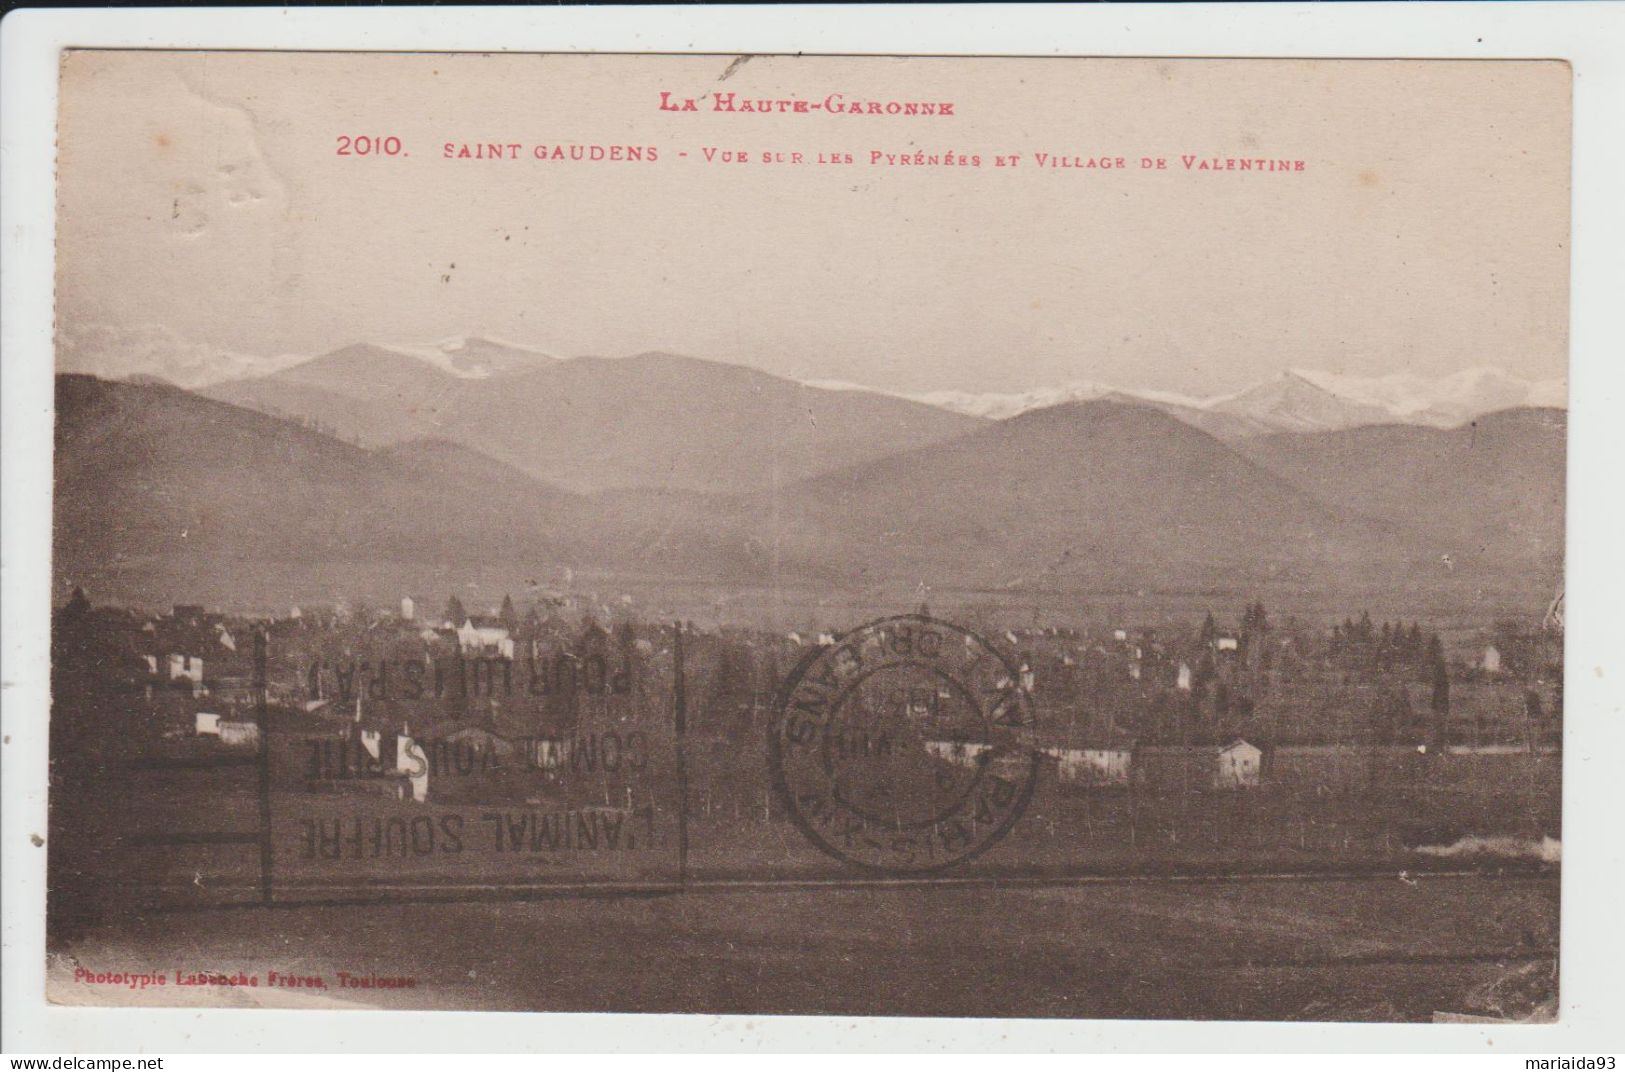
point(1096, 489)
point(162, 491)
point(1298, 400)
point(592, 424)
point(1492, 489)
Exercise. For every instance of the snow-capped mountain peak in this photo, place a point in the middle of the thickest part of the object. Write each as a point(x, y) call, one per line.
point(476, 357)
point(1299, 399)
point(116, 352)
point(1296, 400)
point(1292, 402)
point(1444, 401)
point(1000, 406)
point(993, 406)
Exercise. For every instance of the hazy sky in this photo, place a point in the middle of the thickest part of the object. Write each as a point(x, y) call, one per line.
point(204, 209)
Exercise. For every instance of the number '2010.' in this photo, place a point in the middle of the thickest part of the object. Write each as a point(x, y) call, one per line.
point(368, 145)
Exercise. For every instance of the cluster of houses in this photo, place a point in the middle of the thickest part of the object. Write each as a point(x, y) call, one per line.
point(476, 636)
point(1193, 767)
point(1239, 764)
point(187, 666)
point(1136, 695)
point(178, 646)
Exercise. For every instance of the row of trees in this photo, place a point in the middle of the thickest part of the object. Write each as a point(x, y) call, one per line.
point(1393, 646)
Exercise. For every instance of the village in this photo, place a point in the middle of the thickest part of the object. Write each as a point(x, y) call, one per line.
point(450, 705)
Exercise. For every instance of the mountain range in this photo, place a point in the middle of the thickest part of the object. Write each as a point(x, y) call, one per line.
point(1083, 492)
point(679, 422)
point(416, 381)
point(595, 424)
point(1297, 400)
point(372, 464)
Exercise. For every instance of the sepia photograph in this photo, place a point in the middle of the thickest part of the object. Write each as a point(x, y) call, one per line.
point(819, 535)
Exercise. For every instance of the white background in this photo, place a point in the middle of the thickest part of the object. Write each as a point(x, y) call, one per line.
point(1590, 35)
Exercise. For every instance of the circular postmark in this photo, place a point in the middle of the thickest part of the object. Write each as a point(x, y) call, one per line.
point(898, 748)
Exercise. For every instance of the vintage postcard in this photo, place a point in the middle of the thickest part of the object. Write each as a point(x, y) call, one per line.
point(886, 535)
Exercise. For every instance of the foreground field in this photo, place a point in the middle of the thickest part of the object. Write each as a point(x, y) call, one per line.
point(1395, 948)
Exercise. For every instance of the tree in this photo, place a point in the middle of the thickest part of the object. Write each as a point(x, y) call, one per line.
point(1206, 671)
point(1393, 716)
point(510, 616)
point(1210, 629)
point(1435, 653)
point(455, 614)
point(1440, 702)
point(591, 632)
point(77, 606)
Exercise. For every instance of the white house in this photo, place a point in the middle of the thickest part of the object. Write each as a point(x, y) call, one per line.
point(208, 724)
point(485, 640)
point(1184, 681)
point(239, 734)
point(1102, 765)
point(1239, 764)
point(1492, 659)
point(1226, 643)
point(189, 667)
point(409, 610)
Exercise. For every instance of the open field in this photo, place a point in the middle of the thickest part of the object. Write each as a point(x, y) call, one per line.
point(1378, 949)
point(270, 588)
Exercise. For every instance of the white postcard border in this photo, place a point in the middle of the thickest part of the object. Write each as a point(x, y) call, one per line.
point(1591, 36)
